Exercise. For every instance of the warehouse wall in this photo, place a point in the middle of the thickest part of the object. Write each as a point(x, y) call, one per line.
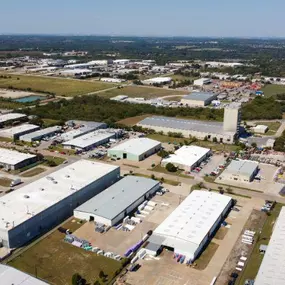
point(54, 215)
point(189, 102)
point(200, 135)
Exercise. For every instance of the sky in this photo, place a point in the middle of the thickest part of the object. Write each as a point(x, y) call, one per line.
point(199, 18)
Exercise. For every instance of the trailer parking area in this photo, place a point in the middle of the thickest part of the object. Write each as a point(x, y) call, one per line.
point(119, 241)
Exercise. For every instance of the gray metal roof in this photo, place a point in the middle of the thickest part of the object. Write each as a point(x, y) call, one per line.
point(181, 124)
point(200, 96)
point(42, 132)
point(245, 167)
point(115, 199)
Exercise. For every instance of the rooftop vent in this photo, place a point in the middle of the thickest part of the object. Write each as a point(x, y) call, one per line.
point(42, 189)
point(26, 196)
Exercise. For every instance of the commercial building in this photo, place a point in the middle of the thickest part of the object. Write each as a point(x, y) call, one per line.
point(271, 270)
point(112, 80)
point(12, 276)
point(261, 129)
point(15, 132)
point(240, 170)
point(11, 117)
point(189, 228)
point(135, 149)
point(115, 203)
point(91, 140)
point(12, 159)
point(187, 157)
point(157, 80)
point(81, 128)
point(40, 134)
point(199, 99)
point(202, 81)
point(35, 208)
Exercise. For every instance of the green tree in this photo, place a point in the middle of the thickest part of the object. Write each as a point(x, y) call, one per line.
point(77, 279)
point(171, 167)
point(215, 140)
point(254, 145)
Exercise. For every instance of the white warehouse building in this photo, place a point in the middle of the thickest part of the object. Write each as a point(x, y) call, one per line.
point(135, 149)
point(271, 270)
point(240, 170)
point(11, 117)
point(115, 203)
point(16, 132)
point(189, 228)
point(35, 208)
point(12, 159)
point(187, 157)
point(40, 134)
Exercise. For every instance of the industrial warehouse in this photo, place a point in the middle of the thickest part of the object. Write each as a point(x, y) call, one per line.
point(81, 128)
point(189, 228)
point(271, 270)
point(42, 204)
point(115, 203)
point(199, 99)
point(11, 117)
point(40, 134)
point(135, 149)
point(15, 132)
point(225, 132)
point(91, 140)
point(187, 157)
point(240, 170)
point(12, 160)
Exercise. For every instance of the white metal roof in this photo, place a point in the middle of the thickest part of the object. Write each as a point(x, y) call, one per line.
point(39, 133)
point(12, 276)
point(19, 206)
point(241, 167)
point(11, 116)
point(13, 157)
point(272, 269)
point(19, 129)
point(136, 146)
point(89, 139)
point(186, 227)
point(158, 80)
point(187, 155)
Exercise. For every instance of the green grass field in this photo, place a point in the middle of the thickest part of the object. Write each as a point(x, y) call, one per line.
point(139, 91)
point(58, 86)
point(273, 89)
point(272, 126)
point(33, 172)
point(255, 259)
point(56, 261)
point(53, 161)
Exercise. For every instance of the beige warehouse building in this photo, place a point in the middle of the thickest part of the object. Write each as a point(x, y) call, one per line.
point(199, 99)
point(225, 132)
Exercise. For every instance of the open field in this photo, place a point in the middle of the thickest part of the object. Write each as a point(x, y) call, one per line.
point(132, 120)
point(140, 91)
point(159, 168)
point(5, 182)
point(33, 172)
point(167, 181)
point(56, 261)
point(174, 98)
point(59, 87)
point(272, 126)
point(180, 77)
point(50, 122)
point(273, 89)
point(256, 258)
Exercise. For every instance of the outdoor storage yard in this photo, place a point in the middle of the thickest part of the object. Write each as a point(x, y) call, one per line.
point(119, 241)
point(59, 87)
point(55, 261)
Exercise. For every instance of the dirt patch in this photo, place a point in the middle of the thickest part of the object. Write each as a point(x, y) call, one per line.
point(221, 233)
point(202, 262)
